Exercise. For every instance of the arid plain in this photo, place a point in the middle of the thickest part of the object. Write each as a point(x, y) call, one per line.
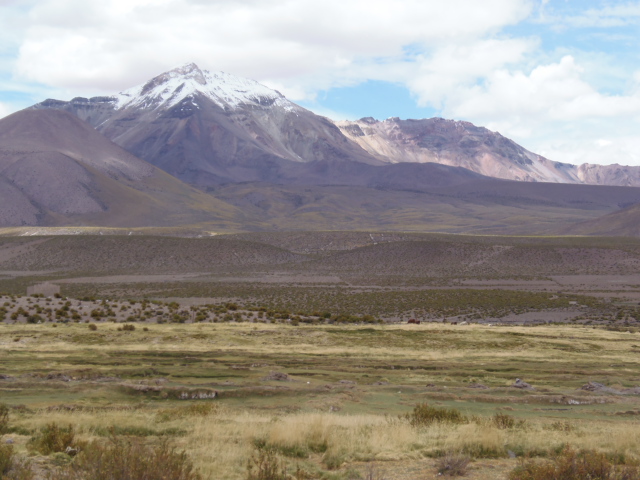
point(294, 349)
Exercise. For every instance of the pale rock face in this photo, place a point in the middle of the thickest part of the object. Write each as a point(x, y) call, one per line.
point(453, 143)
point(462, 144)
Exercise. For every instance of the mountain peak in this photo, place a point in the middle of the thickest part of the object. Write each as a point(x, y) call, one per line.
point(188, 71)
point(188, 81)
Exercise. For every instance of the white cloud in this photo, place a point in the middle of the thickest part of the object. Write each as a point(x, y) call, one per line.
point(304, 44)
point(5, 110)
point(607, 17)
point(460, 66)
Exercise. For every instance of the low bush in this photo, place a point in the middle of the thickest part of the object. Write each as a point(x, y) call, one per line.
point(12, 468)
point(125, 459)
point(453, 464)
point(52, 438)
point(424, 414)
point(264, 464)
point(503, 421)
point(572, 465)
point(4, 419)
point(6, 457)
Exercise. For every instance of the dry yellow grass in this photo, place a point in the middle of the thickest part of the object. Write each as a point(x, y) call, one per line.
point(221, 442)
point(366, 426)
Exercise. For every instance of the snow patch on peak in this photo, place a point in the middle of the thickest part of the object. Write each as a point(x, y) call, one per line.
point(226, 90)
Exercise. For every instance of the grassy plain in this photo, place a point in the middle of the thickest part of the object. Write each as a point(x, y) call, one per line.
point(296, 367)
point(340, 408)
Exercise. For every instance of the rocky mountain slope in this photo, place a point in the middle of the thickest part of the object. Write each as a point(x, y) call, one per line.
point(267, 163)
point(56, 169)
point(212, 128)
point(462, 144)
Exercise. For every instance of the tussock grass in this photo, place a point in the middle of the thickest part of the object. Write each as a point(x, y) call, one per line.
point(129, 460)
point(53, 438)
point(573, 465)
point(347, 399)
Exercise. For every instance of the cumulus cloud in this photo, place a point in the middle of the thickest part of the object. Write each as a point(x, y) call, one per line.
point(553, 111)
point(305, 44)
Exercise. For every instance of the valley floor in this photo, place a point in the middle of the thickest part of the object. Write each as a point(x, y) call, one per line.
point(329, 399)
point(297, 346)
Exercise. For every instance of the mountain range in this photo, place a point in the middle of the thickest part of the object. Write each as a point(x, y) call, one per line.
point(195, 148)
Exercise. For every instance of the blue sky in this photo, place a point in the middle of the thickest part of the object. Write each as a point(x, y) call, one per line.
point(561, 77)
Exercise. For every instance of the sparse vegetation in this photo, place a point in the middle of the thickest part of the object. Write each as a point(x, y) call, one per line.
point(425, 415)
point(573, 465)
point(53, 438)
point(300, 373)
point(4, 418)
point(264, 464)
point(127, 459)
point(453, 464)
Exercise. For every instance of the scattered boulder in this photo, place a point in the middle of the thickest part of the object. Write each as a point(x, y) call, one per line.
point(599, 387)
point(58, 376)
point(478, 386)
point(347, 382)
point(278, 377)
point(522, 384)
point(594, 387)
point(198, 395)
point(72, 452)
point(381, 383)
point(145, 388)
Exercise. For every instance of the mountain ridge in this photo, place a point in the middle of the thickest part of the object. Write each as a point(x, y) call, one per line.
point(463, 144)
point(214, 128)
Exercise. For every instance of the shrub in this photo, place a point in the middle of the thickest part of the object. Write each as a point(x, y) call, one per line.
point(571, 465)
point(129, 460)
point(333, 459)
point(453, 464)
point(503, 421)
point(52, 438)
point(93, 327)
point(195, 410)
point(4, 419)
point(6, 457)
point(12, 468)
point(424, 414)
point(264, 464)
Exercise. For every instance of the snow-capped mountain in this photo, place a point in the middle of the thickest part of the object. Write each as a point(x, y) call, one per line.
point(188, 81)
point(212, 128)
